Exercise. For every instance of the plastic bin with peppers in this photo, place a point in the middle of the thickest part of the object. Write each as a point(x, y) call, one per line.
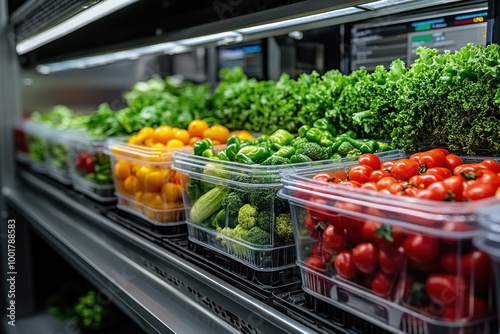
point(36, 135)
point(230, 194)
point(91, 168)
point(58, 146)
point(391, 239)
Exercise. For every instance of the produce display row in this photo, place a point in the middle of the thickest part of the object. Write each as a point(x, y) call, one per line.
point(390, 235)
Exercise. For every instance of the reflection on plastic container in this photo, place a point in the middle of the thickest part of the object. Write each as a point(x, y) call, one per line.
point(145, 184)
point(403, 263)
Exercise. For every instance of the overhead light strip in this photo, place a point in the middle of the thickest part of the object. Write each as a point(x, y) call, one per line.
point(384, 3)
point(300, 20)
point(81, 19)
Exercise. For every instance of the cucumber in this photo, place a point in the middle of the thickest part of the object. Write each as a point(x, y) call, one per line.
point(208, 204)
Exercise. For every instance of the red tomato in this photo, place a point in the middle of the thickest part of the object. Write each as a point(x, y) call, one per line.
point(416, 157)
point(438, 191)
point(313, 226)
point(477, 266)
point(441, 171)
point(370, 186)
point(317, 249)
point(389, 238)
point(368, 229)
point(455, 187)
point(412, 291)
point(421, 248)
point(475, 190)
point(353, 183)
point(360, 173)
point(449, 262)
point(410, 191)
point(381, 284)
point(318, 214)
point(452, 161)
point(467, 168)
point(364, 256)
point(487, 176)
point(324, 177)
point(377, 174)
point(387, 165)
point(386, 181)
point(396, 189)
point(334, 239)
point(497, 193)
point(404, 169)
point(491, 164)
point(432, 158)
point(370, 159)
point(445, 289)
point(432, 194)
point(315, 262)
point(391, 263)
point(473, 308)
point(424, 180)
point(443, 150)
point(344, 265)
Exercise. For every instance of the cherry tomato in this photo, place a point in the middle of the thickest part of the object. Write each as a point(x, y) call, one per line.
point(360, 173)
point(387, 165)
point(441, 171)
point(491, 164)
point(391, 263)
point(352, 183)
point(445, 289)
point(389, 238)
point(452, 161)
point(437, 191)
point(365, 256)
point(412, 292)
point(404, 169)
point(315, 228)
point(467, 168)
point(472, 308)
point(324, 177)
point(475, 190)
point(334, 239)
point(386, 181)
point(430, 266)
point(377, 174)
point(315, 262)
point(432, 158)
point(370, 186)
point(421, 248)
point(381, 284)
point(318, 214)
point(344, 265)
point(477, 266)
point(425, 180)
point(317, 249)
point(370, 159)
point(450, 262)
point(410, 191)
point(455, 187)
point(396, 189)
point(368, 229)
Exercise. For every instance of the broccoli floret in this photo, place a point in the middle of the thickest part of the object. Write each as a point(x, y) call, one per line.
point(232, 202)
point(258, 236)
point(220, 219)
point(284, 228)
point(345, 148)
point(240, 232)
point(314, 151)
point(354, 153)
point(247, 216)
point(298, 142)
point(297, 158)
point(264, 220)
point(275, 160)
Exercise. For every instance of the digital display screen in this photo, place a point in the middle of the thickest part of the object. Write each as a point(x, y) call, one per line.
point(381, 43)
point(249, 57)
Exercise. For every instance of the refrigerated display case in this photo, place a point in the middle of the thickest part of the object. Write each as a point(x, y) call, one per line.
point(164, 285)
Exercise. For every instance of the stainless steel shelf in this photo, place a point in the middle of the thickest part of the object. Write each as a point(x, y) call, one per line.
point(160, 291)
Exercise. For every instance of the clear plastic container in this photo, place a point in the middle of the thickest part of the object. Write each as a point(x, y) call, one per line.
point(145, 184)
point(21, 146)
point(403, 263)
point(36, 135)
point(90, 168)
point(58, 146)
point(254, 187)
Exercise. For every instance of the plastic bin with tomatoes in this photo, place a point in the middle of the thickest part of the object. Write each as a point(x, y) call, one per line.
point(36, 135)
point(391, 239)
point(230, 196)
point(489, 240)
point(145, 183)
point(90, 168)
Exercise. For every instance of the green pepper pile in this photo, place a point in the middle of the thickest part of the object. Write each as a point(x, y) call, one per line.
point(37, 146)
point(314, 143)
point(58, 154)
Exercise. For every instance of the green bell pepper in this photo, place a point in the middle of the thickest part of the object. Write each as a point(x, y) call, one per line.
point(369, 146)
point(314, 135)
point(202, 145)
point(285, 152)
point(231, 150)
point(281, 137)
point(303, 130)
point(382, 147)
point(208, 153)
point(255, 153)
point(233, 140)
point(325, 125)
